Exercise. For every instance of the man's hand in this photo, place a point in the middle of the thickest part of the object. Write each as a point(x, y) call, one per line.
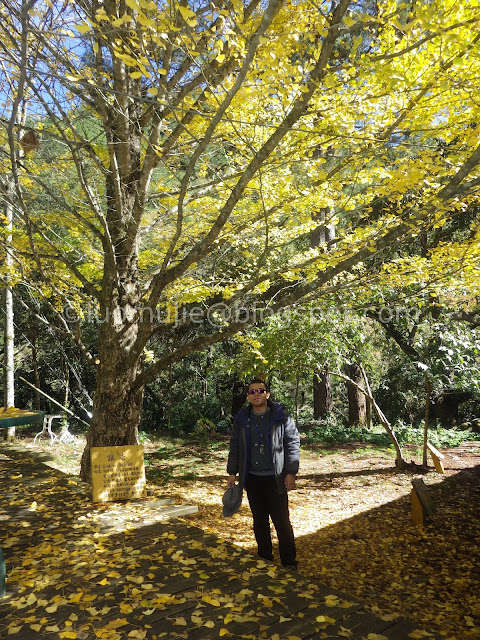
point(231, 481)
point(289, 482)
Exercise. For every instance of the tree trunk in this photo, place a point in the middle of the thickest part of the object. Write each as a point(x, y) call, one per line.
point(9, 328)
point(322, 395)
point(357, 406)
point(369, 417)
point(239, 395)
point(325, 232)
point(36, 373)
point(117, 404)
point(322, 390)
point(169, 397)
point(428, 391)
point(118, 400)
point(297, 411)
point(66, 396)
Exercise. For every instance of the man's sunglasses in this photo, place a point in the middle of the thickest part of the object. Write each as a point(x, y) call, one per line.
point(252, 392)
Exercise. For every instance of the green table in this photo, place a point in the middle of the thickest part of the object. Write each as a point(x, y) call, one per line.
point(28, 417)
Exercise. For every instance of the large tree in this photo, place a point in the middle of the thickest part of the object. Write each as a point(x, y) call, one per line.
point(205, 137)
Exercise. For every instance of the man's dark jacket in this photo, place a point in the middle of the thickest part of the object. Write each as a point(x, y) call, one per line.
point(284, 444)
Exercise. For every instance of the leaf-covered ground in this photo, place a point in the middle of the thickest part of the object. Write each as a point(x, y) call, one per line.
point(352, 519)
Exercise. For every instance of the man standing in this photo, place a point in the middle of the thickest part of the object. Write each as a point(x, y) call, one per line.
point(264, 452)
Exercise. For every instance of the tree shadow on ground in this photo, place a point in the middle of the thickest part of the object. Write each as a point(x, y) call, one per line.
point(428, 573)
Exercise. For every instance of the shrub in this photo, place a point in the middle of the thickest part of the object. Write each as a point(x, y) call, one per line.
point(185, 414)
point(204, 431)
point(331, 433)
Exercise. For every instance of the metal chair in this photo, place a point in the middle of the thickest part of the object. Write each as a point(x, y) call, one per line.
point(47, 428)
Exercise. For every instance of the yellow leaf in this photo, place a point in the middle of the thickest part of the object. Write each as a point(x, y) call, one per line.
point(146, 22)
point(180, 622)
point(31, 599)
point(83, 28)
point(187, 14)
point(133, 5)
point(325, 619)
point(209, 623)
point(52, 628)
point(125, 607)
point(135, 74)
point(103, 582)
point(13, 630)
point(152, 91)
point(36, 627)
point(120, 622)
point(224, 632)
point(136, 579)
point(77, 597)
point(388, 617)
point(52, 608)
point(89, 598)
point(68, 634)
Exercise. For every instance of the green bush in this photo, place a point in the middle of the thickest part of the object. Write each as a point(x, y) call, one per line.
point(204, 431)
point(192, 408)
point(331, 433)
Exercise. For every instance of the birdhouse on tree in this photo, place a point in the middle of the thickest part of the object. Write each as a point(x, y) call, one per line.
point(29, 142)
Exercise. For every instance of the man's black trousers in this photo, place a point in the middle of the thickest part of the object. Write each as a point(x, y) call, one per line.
point(266, 502)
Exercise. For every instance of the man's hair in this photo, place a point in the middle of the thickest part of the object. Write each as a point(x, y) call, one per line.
point(258, 381)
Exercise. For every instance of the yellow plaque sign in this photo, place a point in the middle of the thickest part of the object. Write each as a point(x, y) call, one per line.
point(118, 473)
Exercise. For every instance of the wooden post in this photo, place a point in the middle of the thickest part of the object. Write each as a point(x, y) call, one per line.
point(422, 504)
point(417, 509)
point(437, 458)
